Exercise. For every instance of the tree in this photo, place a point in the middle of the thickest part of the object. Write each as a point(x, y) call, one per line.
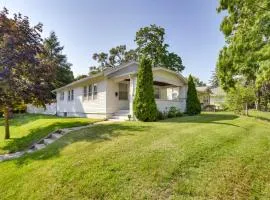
point(80, 77)
point(198, 82)
point(144, 104)
point(116, 56)
point(240, 97)
point(214, 81)
point(192, 102)
point(150, 41)
point(25, 76)
point(53, 52)
point(247, 50)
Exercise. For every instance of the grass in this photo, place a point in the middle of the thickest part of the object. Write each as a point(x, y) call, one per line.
point(260, 115)
point(211, 156)
point(27, 128)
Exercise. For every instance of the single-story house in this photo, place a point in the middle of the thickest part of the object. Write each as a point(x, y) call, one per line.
point(217, 97)
point(110, 93)
point(203, 93)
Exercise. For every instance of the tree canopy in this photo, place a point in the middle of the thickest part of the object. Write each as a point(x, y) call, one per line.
point(26, 76)
point(116, 56)
point(214, 81)
point(150, 43)
point(198, 82)
point(247, 51)
point(53, 53)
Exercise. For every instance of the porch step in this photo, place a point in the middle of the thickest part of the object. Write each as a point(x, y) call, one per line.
point(121, 115)
point(122, 112)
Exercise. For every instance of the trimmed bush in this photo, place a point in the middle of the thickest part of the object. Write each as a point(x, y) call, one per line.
point(144, 105)
point(179, 114)
point(193, 102)
point(172, 112)
point(161, 115)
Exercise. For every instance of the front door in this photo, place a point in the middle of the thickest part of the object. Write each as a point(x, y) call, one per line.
point(123, 96)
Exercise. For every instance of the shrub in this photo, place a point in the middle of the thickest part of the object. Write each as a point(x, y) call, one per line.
point(179, 114)
point(193, 103)
point(172, 112)
point(209, 108)
point(144, 104)
point(161, 115)
point(240, 98)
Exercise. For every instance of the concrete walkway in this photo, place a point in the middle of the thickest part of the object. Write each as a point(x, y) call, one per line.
point(50, 138)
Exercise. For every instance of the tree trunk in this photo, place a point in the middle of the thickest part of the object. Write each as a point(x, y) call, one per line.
point(6, 115)
point(258, 102)
point(246, 109)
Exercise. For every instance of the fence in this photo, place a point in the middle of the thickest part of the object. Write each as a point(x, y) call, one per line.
point(49, 110)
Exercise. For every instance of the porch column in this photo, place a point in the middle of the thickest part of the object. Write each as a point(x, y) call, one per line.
point(132, 91)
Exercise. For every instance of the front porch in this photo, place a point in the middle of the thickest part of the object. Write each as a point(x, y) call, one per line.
point(166, 96)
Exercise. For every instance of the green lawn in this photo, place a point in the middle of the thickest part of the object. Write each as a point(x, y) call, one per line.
point(26, 129)
point(211, 156)
point(260, 115)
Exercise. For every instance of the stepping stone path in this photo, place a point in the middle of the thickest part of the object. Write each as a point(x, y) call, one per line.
point(52, 137)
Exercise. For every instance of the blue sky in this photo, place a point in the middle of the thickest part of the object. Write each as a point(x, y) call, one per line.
point(87, 26)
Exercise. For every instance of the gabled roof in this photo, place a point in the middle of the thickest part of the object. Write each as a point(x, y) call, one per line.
point(79, 81)
point(109, 71)
point(203, 89)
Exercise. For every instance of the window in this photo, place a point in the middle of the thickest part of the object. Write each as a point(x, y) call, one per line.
point(72, 95)
point(123, 91)
point(84, 92)
point(62, 96)
point(69, 95)
point(157, 92)
point(95, 92)
point(89, 92)
point(175, 92)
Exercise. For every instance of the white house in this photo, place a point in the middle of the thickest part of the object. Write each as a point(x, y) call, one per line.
point(111, 92)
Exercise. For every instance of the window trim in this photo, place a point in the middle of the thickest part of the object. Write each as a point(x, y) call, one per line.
point(123, 92)
point(72, 95)
point(84, 92)
point(95, 91)
point(90, 92)
point(157, 89)
point(62, 96)
point(69, 95)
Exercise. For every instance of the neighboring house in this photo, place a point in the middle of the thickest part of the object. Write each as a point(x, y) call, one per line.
point(111, 92)
point(204, 95)
point(217, 97)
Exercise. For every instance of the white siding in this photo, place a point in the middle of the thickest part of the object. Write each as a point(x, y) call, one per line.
point(164, 105)
point(84, 108)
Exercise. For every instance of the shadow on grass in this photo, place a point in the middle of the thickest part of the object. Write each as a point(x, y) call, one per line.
point(16, 144)
point(210, 118)
point(260, 118)
point(95, 134)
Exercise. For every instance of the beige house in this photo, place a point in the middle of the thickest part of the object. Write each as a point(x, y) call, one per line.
point(217, 97)
point(110, 94)
point(211, 96)
point(204, 95)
